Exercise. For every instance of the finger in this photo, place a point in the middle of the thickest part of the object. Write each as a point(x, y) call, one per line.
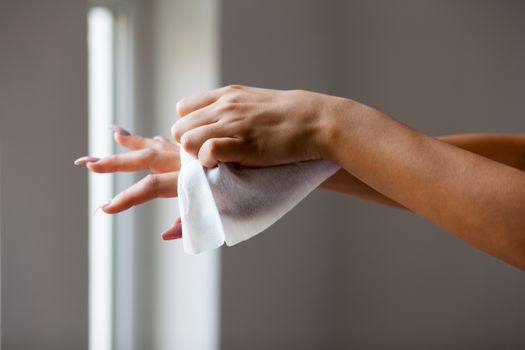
point(150, 187)
point(198, 101)
point(224, 150)
point(174, 232)
point(85, 160)
point(128, 140)
point(201, 117)
point(192, 140)
point(119, 129)
point(144, 159)
point(129, 161)
point(134, 142)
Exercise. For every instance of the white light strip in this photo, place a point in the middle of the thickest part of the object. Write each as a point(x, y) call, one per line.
point(100, 41)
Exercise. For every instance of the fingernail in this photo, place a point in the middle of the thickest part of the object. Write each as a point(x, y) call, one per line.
point(174, 232)
point(120, 130)
point(86, 159)
point(105, 204)
point(161, 139)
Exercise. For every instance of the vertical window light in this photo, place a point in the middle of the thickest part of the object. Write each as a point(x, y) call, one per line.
point(100, 60)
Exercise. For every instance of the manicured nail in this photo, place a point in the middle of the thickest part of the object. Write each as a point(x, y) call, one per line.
point(120, 130)
point(87, 159)
point(105, 204)
point(161, 139)
point(174, 232)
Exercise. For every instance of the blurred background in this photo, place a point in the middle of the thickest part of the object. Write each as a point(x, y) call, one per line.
point(335, 273)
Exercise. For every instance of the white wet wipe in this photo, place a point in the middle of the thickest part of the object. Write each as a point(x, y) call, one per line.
point(232, 203)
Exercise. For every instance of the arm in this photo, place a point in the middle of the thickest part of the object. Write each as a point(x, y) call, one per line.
point(479, 200)
point(502, 148)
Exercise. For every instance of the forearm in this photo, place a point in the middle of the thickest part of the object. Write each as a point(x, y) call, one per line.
point(477, 199)
point(508, 149)
point(344, 182)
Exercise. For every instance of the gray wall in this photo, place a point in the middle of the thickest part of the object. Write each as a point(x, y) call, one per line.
point(341, 273)
point(362, 276)
point(44, 197)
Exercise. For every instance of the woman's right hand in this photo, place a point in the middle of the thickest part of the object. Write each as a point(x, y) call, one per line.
point(156, 155)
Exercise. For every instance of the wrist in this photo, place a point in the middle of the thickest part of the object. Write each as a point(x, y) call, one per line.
point(337, 117)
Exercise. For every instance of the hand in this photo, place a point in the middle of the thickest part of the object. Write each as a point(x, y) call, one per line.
point(157, 155)
point(252, 126)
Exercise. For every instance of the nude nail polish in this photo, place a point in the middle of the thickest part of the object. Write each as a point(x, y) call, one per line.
point(86, 159)
point(106, 203)
point(120, 130)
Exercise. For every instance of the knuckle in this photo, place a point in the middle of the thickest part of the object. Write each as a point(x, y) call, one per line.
point(187, 142)
point(180, 106)
point(212, 148)
point(151, 153)
point(232, 88)
point(151, 156)
point(152, 181)
point(209, 154)
point(206, 159)
point(233, 97)
point(227, 106)
point(233, 93)
point(177, 131)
